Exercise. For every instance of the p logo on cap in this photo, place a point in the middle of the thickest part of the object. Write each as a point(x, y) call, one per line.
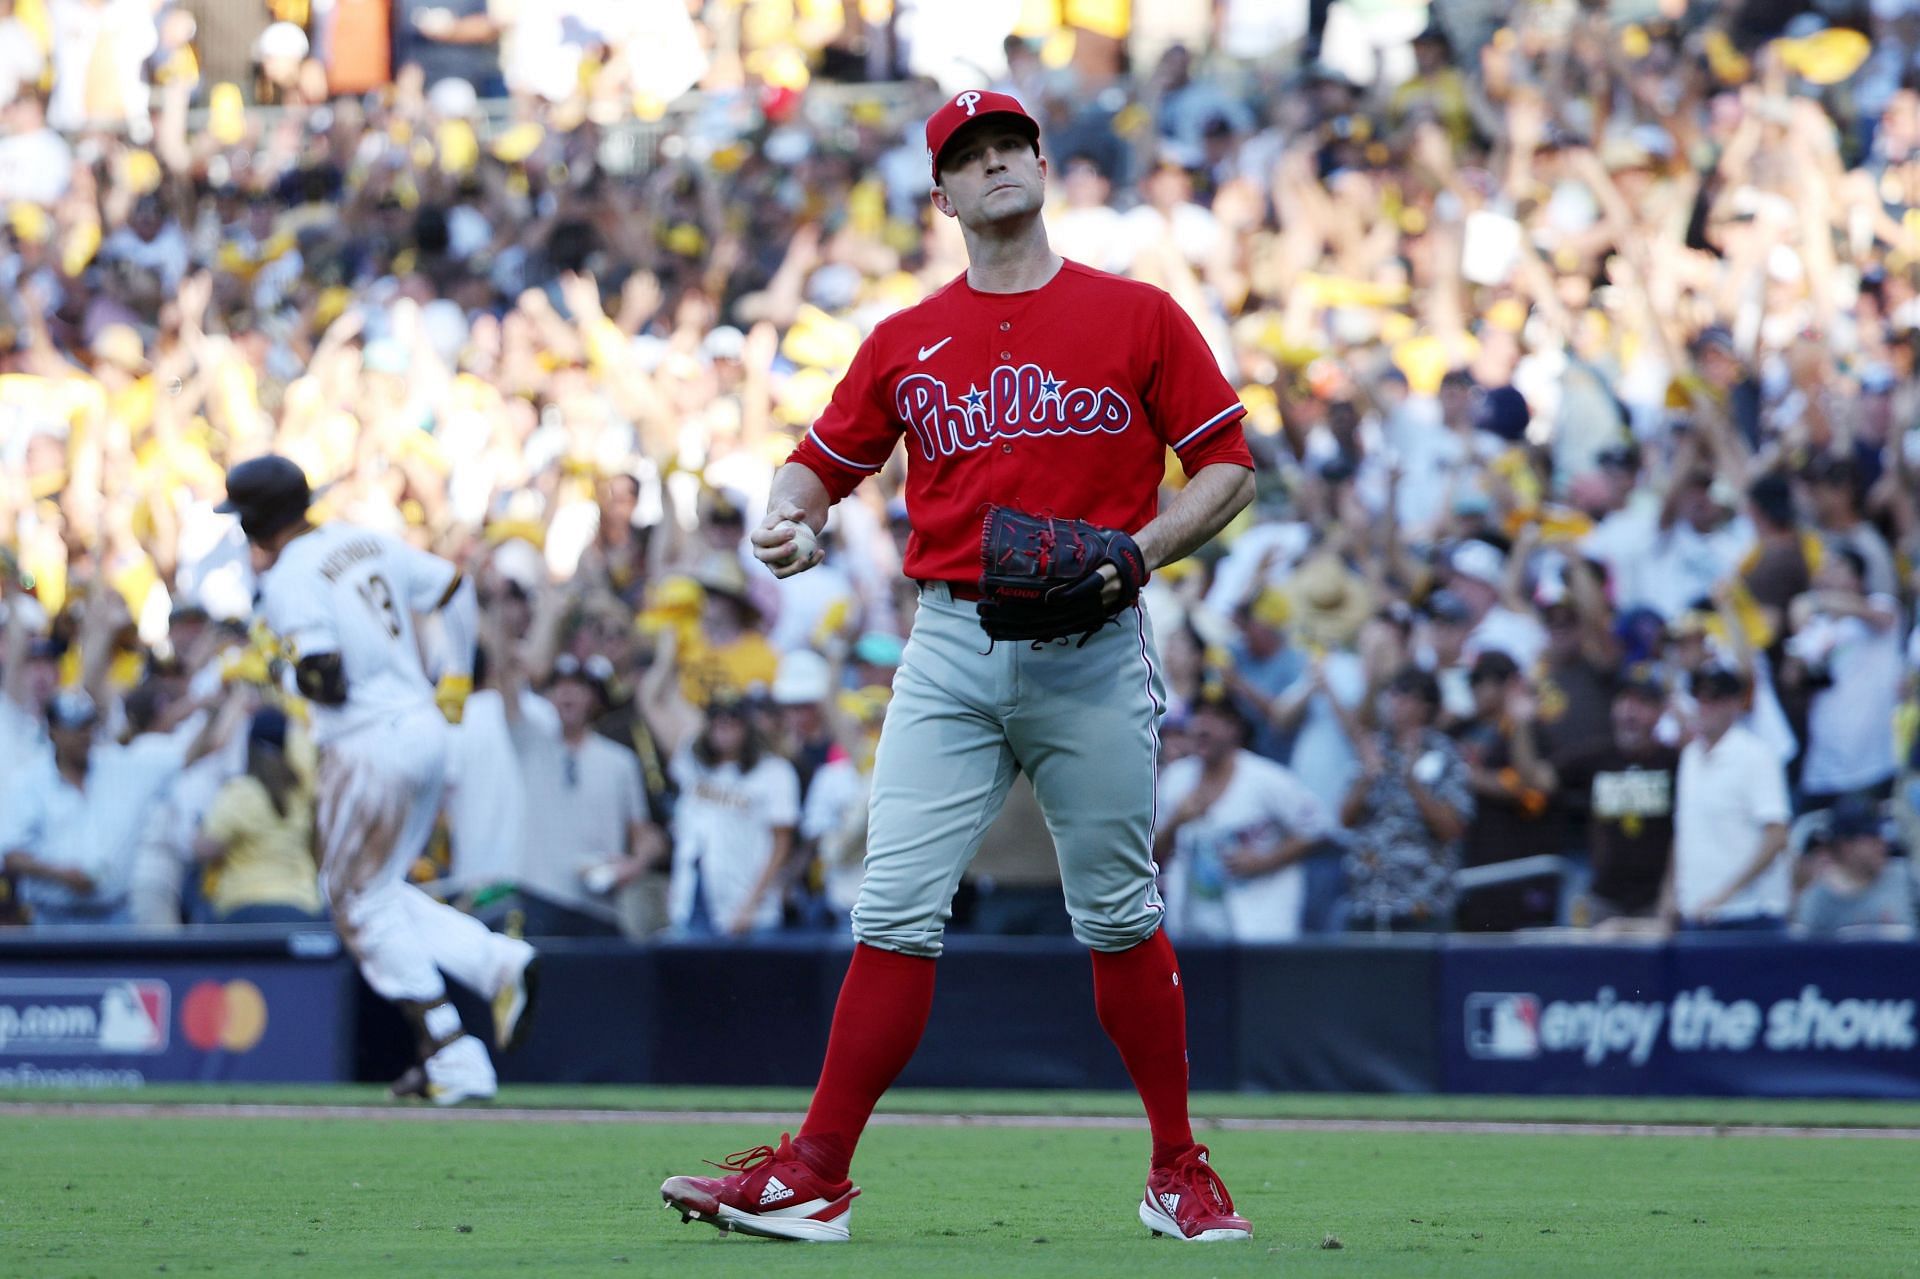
point(965, 109)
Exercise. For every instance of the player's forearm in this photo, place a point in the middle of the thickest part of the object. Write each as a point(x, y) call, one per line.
point(796, 487)
point(1205, 506)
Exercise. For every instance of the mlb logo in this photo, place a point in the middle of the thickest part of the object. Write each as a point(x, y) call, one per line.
point(133, 1017)
point(1503, 1027)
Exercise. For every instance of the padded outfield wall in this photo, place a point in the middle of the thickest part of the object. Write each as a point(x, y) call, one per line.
point(1710, 1015)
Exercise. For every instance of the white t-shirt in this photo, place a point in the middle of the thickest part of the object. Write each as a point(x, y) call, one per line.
point(1849, 731)
point(23, 739)
point(723, 830)
point(835, 816)
point(94, 829)
point(35, 167)
point(582, 802)
point(1263, 806)
point(1194, 230)
point(21, 61)
point(1445, 462)
point(1725, 799)
point(122, 32)
point(351, 591)
point(1097, 235)
point(164, 851)
point(486, 798)
point(1233, 576)
point(1667, 571)
point(804, 602)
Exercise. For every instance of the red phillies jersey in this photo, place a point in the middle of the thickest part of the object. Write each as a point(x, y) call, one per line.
point(1061, 401)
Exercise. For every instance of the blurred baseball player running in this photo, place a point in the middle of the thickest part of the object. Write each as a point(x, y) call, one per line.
point(1028, 385)
point(344, 600)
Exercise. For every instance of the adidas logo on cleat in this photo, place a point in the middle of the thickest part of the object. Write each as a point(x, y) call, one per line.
point(774, 1191)
point(1170, 1202)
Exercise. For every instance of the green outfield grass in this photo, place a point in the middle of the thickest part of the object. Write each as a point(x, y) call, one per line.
point(92, 1195)
point(1733, 1112)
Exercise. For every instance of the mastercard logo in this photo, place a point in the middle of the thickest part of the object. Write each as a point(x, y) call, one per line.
point(230, 1015)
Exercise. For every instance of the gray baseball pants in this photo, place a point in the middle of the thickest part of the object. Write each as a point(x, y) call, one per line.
point(1083, 723)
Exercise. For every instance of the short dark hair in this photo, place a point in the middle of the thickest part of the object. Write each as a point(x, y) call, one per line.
point(1492, 664)
point(1415, 682)
point(1715, 680)
point(1227, 709)
point(1772, 496)
point(1641, 683)
point(751, 750)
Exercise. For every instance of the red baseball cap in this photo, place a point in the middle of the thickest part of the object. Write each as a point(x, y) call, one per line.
point(964, 109)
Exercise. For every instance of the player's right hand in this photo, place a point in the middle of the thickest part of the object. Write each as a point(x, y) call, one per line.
point(773, 542)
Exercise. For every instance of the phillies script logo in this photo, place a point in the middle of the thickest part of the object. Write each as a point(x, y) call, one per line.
point(1018, 400)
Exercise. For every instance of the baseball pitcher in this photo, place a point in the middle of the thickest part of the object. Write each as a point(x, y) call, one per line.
point(1038, 399)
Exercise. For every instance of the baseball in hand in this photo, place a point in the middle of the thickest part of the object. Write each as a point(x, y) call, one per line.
point(804, 542)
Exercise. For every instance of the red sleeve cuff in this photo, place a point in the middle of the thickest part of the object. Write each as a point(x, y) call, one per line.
point(1220, 439)
point(840, 475)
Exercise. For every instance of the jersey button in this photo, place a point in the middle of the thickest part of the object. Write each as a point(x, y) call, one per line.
point(1004, 326)
point(1006, 448)
point(1006, 355)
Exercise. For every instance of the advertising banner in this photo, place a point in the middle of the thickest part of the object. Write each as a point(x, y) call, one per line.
point(1555, 1019)
point(1708, 1015)
point(117, 1023)
point(1837, 1020)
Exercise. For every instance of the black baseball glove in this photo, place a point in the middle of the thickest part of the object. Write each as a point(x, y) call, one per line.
point(1040, 576)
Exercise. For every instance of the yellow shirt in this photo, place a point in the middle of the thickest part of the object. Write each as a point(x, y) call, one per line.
point(269, 860)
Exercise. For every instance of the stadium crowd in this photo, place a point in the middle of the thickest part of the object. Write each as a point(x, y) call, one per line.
point(1581, 349)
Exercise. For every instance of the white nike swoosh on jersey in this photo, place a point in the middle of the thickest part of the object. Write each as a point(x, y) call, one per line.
point(925, 351)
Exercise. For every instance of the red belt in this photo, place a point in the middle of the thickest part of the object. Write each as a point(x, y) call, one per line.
point(959, 590)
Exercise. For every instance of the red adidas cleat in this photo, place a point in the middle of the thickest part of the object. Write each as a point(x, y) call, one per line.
point(767, 1192)
point(1186, 1200)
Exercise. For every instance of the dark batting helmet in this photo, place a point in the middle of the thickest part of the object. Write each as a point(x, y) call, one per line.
point(267, 493)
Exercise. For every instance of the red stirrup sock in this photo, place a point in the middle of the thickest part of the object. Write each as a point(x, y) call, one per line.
point(1141, 1006)
point(877, 1023)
